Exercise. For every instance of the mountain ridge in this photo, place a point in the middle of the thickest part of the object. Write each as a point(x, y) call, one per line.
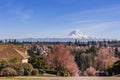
point(72, 36)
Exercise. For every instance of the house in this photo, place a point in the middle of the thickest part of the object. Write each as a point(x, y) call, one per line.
point(23, 55)
point(12, 52)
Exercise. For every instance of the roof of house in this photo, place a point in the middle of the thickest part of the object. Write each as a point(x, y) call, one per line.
point(10, 50)
point(23, 55)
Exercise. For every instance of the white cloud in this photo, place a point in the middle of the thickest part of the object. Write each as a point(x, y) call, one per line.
point(100, 22)
point(84, 21)
point(110, 10)
point(103, 29)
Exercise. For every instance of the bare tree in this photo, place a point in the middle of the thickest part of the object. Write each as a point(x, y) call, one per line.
point(62, 59)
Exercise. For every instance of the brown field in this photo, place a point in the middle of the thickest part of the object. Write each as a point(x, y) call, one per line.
point(62, 78)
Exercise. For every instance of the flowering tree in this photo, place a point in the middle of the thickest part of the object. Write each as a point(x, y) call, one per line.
point(8, 71)
point(89, 72)
point(105, 58)
point(61, 58)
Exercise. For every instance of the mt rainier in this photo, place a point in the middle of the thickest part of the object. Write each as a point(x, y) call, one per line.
point(70, 37)
point(78, 35)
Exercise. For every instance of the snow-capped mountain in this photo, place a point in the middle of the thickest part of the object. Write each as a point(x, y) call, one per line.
point(70, 37)
point(78, 35)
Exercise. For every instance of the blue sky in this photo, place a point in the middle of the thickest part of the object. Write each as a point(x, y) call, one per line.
point(57, 18)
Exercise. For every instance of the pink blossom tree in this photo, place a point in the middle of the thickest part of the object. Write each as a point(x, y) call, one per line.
point(61, 58)
point(105, 58)
point(89, 72)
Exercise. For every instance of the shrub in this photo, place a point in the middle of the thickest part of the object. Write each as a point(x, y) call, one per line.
point(114, 69)
point(23, 69)
point(85, 73)
point(35, 72)
point(19, 69)
point(110, 70)
point(90, 71)
point(52, 72)
point(8, 71)
point(27, 69)
point(3, 64)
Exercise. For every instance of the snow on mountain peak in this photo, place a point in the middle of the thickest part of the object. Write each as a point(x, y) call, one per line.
point(78, 35)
